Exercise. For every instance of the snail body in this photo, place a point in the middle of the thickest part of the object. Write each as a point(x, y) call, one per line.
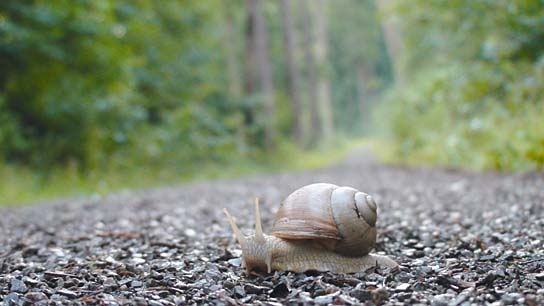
point(321, 227)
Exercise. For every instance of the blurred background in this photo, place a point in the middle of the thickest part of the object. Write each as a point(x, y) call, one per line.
point(101, 95)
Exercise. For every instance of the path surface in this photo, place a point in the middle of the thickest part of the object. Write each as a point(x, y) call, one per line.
point(460, 237)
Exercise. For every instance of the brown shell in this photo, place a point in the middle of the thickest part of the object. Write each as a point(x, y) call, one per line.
point(295, 221)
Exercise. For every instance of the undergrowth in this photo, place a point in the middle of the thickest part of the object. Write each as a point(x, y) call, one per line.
point(23, 186)
point(483, 117)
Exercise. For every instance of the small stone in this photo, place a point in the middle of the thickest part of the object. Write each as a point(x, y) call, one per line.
point(361, 295)
point(460, 299)
point(402, 287)
point(281, 290)
point(530, 300)
point(487, 257)
point(11, 299)
point(409, 252)
point(442, 299)
point(239, 291)
point(326, 299)
point(236, 262)
point(17, 285)
point(108, 300)
point(254, 289)
point(374, 277)
point(140, 301)
point(346, 300)
point(136, 284)
point(451, 261)
point(35, 296)
point(67, 293)
point(488, 279)
point(215, 288)
point(154, 303)
point(190, 232)
point(509, 298)
point(425, 269)
point(212, 275)
point(419, 246)
point(380, 295)
point(138, 260)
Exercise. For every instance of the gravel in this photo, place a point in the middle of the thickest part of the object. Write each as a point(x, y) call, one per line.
point(462, 238)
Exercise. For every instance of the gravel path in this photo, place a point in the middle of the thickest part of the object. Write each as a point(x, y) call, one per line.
point(462, 238)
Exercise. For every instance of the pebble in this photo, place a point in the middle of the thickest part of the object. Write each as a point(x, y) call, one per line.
point(11, 299)
point(138, 260)
point(280, 290)
point(326, 299)
point(154, 303)
point(442, 299)
point(254, 289)
point(35, 296)
point(68, 293)
point(361, 295)
point(487, 257)
point(239, 291)
point(236, 262)
point(190, 232)
point(509, 298)
point(17, 285)
point(136, 284)
point(402, 287)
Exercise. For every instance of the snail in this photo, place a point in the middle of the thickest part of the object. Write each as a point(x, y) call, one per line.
point(321, 227)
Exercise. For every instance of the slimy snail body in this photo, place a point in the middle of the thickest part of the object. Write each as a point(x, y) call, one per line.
point(321, 227)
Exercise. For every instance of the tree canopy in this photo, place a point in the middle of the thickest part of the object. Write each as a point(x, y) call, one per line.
point(103, 82)
point(86, 82)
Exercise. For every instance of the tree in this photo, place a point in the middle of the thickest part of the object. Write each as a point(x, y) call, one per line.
point(311, 73)
point(474, 96)
point(393, 38)
point(360, 64)
point(231, 45)
point(259, 68)
point(322, 63)
point(292, 73)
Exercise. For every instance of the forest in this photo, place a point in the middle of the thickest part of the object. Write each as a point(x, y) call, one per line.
point(102, 95)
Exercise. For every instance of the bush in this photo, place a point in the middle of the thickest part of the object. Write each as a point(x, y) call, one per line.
point(484, 116)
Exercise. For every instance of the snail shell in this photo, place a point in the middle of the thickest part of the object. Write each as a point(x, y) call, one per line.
point(340, 219)
point(319, 227)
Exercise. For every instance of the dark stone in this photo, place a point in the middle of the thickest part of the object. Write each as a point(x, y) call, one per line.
point(361, 295)
point(280, 291)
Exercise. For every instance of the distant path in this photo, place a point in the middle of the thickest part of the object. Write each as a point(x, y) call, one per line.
point(461, 237)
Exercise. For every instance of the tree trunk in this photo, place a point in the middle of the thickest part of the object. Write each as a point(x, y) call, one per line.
point(307, 26)
point(323, 83)
point(250, 84)
point(364, 96)
point(292, 74)
point(393, 39)
point(231, 44)
point(259, 64)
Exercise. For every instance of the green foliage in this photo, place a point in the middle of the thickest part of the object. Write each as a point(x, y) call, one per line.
point(475, 97)
point(83, 80)
point(97, 92)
